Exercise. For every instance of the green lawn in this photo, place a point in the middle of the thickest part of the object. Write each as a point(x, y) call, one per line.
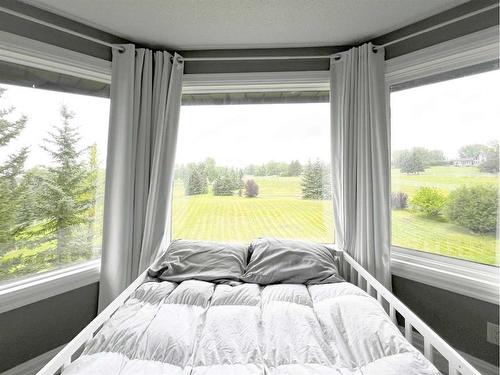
point(280, 211)
point(444, 178)
point(411, 230)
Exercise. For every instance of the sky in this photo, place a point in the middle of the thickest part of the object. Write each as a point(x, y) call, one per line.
point(447, 115)
point(442, 116)
point(239, 135)
point(42, 107)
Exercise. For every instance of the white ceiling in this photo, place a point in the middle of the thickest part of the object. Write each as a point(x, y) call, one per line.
point(207, 24)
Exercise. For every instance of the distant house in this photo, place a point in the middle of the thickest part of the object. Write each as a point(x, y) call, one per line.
point(469, 162)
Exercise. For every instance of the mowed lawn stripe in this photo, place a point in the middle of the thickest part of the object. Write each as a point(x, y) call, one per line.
point(280, 211)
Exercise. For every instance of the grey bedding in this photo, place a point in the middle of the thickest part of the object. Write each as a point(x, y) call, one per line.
point(197, 318)
point(201, 328)
point(274, 260)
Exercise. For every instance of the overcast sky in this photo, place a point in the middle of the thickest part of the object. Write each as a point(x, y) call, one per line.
point(42, 107)
point(442, 116)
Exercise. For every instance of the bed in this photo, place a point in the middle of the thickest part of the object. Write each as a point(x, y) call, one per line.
point(199, 327)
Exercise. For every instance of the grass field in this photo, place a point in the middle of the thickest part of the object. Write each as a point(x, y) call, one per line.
point(280, 211)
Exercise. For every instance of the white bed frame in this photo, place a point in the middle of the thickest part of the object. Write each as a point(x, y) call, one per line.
point(350, 270)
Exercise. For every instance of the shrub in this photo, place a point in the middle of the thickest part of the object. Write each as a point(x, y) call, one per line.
point(399, 200)
point(474, 207)
point(429, 201)
point(251, 189)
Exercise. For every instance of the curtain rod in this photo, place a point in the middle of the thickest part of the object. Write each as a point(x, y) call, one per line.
point(60, 28)
point(442, 24)
point(248, 58)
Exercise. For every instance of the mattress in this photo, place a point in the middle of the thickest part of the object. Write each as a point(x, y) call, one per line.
point(198, 327)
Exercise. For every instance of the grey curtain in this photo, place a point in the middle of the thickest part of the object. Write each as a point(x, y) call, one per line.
point(360, 158)
point(146, 92)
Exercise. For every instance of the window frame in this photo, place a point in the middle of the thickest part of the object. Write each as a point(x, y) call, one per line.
point(460, 276)
point(28, 52)
point(209, 83)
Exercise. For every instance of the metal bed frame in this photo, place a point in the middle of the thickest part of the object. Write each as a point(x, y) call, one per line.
point(350, 270)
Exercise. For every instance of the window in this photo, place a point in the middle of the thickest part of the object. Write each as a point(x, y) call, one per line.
point(52, 170)
point(245, 171)
point(445, 166)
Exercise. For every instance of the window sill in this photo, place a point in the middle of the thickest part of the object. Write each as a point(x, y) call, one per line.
point(23, 292)
point(474, 280)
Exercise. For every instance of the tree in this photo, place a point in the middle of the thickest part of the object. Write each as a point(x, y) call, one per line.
point(251, 189)
point(10, 170)
point(316, 181)
point(491, 162)
point(472, 151)
point(195, 181)
point(410, 161)
point(294, 168)
point(415, 160)
point(92, 185)
point(224, 186)
point(210, 169)
point(66, 195)
point(250, 169)
point(436, 157)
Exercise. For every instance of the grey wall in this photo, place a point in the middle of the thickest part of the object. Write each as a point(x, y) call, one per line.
point(458, 319)
point(45, 34)
point(452, 31)
point(34, 329)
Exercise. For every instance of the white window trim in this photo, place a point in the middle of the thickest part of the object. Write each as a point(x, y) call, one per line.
point(23, 51)
point(26, 290)
point(256, 82)
point(459, 276)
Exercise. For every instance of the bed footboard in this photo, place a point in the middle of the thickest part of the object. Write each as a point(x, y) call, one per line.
point(432, 342)
point(74, 348)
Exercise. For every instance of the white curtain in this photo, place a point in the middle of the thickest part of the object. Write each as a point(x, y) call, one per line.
point(146, 92)
point(360, 158)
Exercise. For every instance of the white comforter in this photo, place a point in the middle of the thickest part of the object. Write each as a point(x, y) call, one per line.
point(197, 327)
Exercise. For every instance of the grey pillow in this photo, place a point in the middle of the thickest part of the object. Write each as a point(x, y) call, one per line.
point(274, 260)
point(201, 260)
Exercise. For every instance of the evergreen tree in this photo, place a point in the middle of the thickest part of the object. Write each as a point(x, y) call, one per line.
point(224, 186)
point(195, 181)
point(66, 195)
point(316, 181)
point(295, 168)
point(210, 169)
point(91, 198)
point(10, 171)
